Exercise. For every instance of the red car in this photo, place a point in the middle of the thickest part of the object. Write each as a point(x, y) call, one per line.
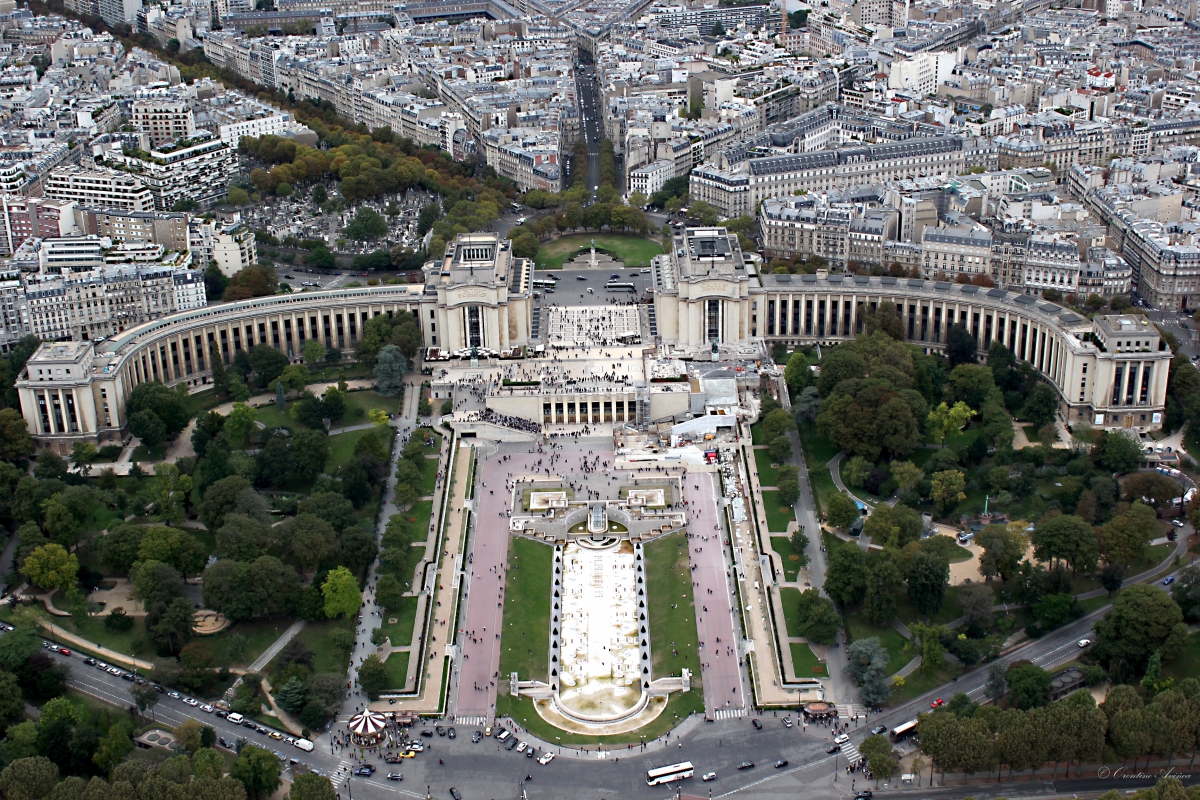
point(937, 703)
point(64, 651)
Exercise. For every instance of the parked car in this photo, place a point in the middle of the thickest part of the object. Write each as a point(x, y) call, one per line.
point(476, 737)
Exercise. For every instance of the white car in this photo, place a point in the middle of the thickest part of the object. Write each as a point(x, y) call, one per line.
point(206, 708)
point(546, 759)
point(1084, 642)
point(709, 776)
point(522, 747)
point(190, 702)
point(842, 739)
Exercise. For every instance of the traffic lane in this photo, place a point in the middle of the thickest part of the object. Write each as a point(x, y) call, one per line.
point(478, 770)
point(710, 588)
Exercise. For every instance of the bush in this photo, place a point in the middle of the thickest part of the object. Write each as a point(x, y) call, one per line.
point(424, 408)
point(110, 451)
point(118, 620)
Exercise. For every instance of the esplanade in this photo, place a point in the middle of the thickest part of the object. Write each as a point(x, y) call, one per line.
point(1110, 371)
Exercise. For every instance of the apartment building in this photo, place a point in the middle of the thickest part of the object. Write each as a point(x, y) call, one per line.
point(529, 156)
point(24, 217)
point(170, 229)
point(98, 187)
point(197, 169)
point(948, 252)
point(651, 178)
point(229, 244)
point(165, 120)
point(1052, 262)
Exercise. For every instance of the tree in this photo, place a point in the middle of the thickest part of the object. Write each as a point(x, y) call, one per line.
point(257, 770)
point(1126, 536)
point(29, 778)
point(845, 581)
point(51, 567)
point(373, 676)
point(863, 656)
point(170, 491)
point(220, 499)
point(311, 786)
point(928, 576)
point(947, 489)
point(878, 752)
point(314, 351)
point(310, 541)
point(799, 542)
point(818, 621)
point(267, 363)
point(291, 694)
point(841, 511)
point(906, 474)
point(390, 368)
point(944, 420)
point(976, 601)
point(147, 426)
point(145, 697)
point(82, 456)
point(1028, 684)
point(16, 445)
point(308, 454)
point(174, 627)
point(340, 590)
point(1003, 550)
point(367, 224)
point(1117, 452)
point(1041, 404)
point(330, 507)
point(240, 422)
point(1186, 592)
point(1066, 538)
point(1143, 619)
point(997, 682)
point(960, 345)
point(788, 483)
point(113, 748)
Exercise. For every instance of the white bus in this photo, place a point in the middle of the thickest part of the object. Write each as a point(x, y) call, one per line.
point(902, 732)
point(614, 286)
point(543, 283)
point(675, 772)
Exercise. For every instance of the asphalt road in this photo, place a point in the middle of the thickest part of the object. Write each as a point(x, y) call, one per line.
point(573, 285)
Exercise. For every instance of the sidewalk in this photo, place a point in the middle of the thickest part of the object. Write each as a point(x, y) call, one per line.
point(104, 652)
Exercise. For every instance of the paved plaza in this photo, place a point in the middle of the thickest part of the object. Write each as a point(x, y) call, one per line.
point(581, 326)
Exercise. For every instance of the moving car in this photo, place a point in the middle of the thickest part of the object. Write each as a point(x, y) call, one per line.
point(787, 722)
point(206, 708)
point(1167, 581)
point(781, 763)
point(865, 794)
point(546, 759)
point(841, 739)
point(476, 736)
point(64, 651)
point(937, 703)
point(878, 729)
point(746, 765)
point(395, 776)
point(709, 776)
point(757, 724)
point(455, 793)
point(440, 730)
point(362, 772)
point(581, 277)
point(428, 734)
point(451, 733)
point(833, 748)
point(188, 701)
point(91, 662)
point(1083, 643)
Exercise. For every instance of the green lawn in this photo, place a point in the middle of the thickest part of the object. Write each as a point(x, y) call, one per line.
point(791, 562)
point(789, 598)
point(805, 662)
point(679, 705)
point(318, 636)
point(1187, 664)
point(778, 515)
point(144, 454)
point(201, 401)
point(818, 451)
point(259, 634)
point(1031, 432)
point(423, 433)
point(919, 683)
point(364, 400)
point(429, 478)
point(397, 670)
point(908, 613)
point(822, 485)
point(401, 632)
point(133, 642)
point(341, 448)
point(633, 250)
point(525, 642)
point(767, 474)
point(673, 637)
point(757, 436)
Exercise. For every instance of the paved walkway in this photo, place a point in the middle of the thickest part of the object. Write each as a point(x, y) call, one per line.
point(108, 655)
point(261, 662)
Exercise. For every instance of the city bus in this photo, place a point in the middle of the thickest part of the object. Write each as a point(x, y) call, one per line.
point(543, 283)
point(902, 732)
point(675, 772)
point(614, 286)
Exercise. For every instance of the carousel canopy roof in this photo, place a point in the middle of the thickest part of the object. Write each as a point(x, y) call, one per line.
point(367, 723)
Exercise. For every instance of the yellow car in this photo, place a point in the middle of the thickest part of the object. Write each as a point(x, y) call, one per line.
point(276, 735)
point(408, 754)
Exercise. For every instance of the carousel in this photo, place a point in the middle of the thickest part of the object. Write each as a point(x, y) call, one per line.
point(367, 729)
